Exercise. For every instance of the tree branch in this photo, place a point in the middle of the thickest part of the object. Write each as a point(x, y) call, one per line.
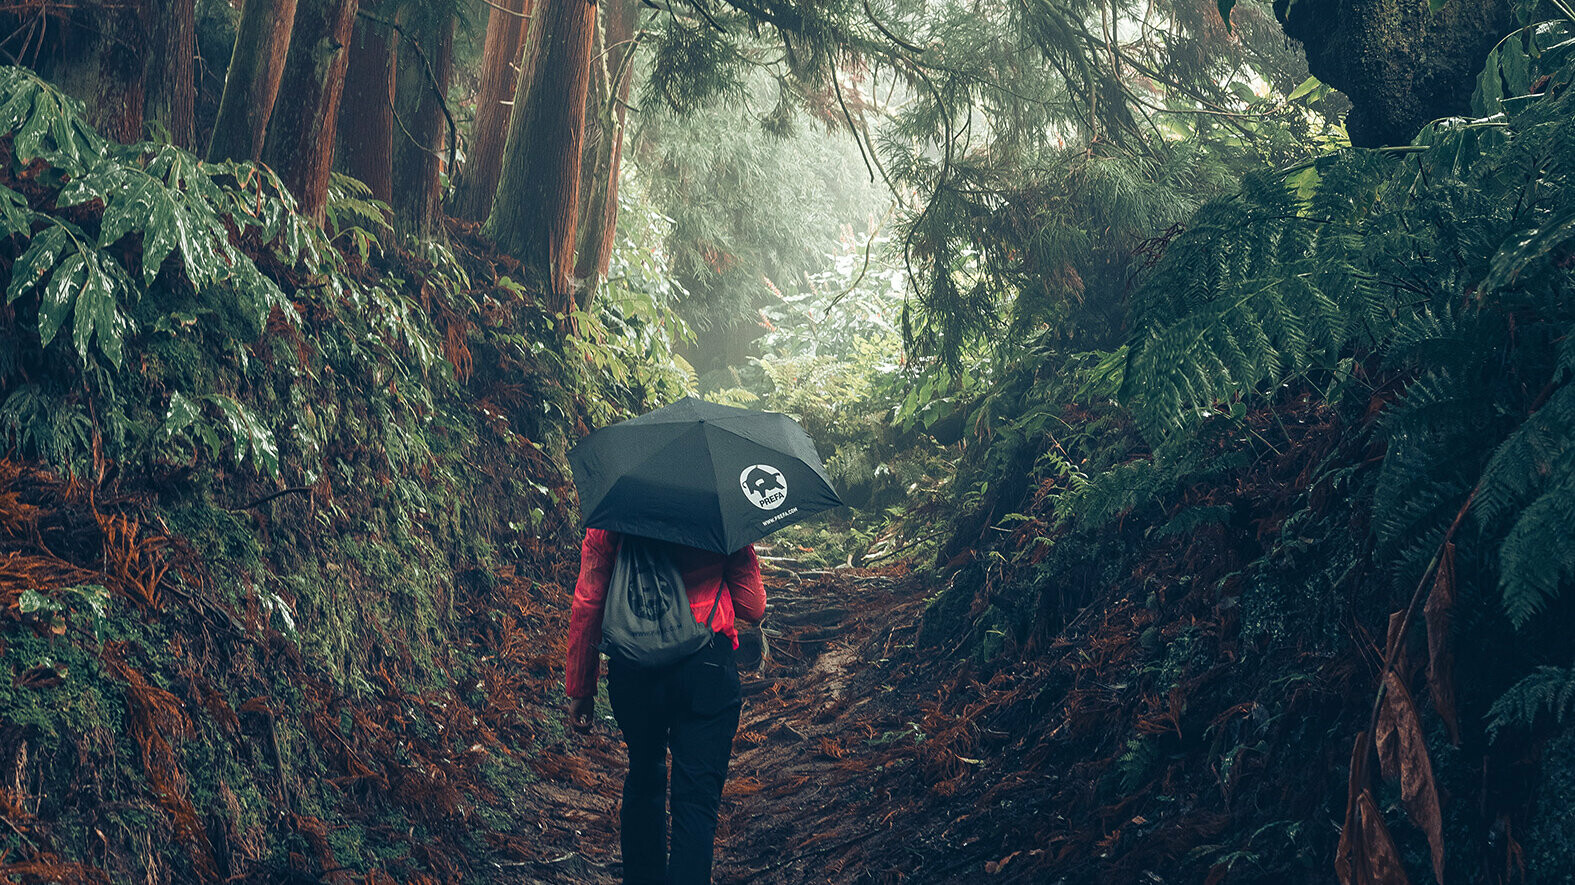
point(453, 131)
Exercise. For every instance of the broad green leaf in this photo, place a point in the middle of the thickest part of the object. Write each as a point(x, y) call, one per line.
point(16, 216)
point(1514, 66)
point(51, 129)
point(182, 412)
point(1485, 101)
point(1308, 85)
point(40, 258)
point(97, 310)
point(29, 144)
point(22, 91)
point(33, 601)
point(62, 290)
point(249, 434)
point(168, 228)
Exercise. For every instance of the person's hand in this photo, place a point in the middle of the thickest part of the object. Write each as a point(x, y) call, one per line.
point(582, 713)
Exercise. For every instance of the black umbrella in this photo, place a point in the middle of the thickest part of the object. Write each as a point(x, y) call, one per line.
point(700, 474)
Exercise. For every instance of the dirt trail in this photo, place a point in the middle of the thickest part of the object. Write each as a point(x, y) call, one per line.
point(823, 761)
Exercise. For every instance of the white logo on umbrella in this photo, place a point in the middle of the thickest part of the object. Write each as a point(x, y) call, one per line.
point(764, 486)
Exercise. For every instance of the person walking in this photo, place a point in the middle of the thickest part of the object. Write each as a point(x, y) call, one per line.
point(690, 707)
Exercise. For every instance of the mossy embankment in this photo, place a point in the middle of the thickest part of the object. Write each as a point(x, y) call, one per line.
point(282, 526)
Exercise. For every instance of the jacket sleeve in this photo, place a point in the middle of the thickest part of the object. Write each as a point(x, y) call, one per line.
point(585, 613)
point(741, 574)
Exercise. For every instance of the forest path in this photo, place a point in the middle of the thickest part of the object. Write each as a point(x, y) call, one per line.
point(830, 703)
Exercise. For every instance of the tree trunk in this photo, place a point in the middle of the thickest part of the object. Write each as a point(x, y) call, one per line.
point(500, 60)
point(261, 42)
point(599, 212)
point(172, 77)
point(103, 62)
point(424, 71)
point(300, 145)
point(366, 109)
point(1401, 64)
point(533, 217)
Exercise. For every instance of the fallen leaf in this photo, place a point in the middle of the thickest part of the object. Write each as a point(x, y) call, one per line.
point(995, 866)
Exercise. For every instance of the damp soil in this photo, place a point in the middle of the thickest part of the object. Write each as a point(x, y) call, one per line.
point(827, 780)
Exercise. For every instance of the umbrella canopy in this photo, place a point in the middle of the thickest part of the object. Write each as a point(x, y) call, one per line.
point(700, 474)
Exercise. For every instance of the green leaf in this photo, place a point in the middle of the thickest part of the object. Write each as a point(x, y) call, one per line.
point(1515, 67)
point(34, 601)
point(55, 306)
point(1308, 85)
point(1436, 5)
point(16, 216)
point(40, 258)
point(182, 412)
point(46, 123)
point(96, 313)
point(1526, 248)
point(1486, 100)
point(249, 434)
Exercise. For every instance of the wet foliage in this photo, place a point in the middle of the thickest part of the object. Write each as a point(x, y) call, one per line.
point(1278, 586)
point(279, 524)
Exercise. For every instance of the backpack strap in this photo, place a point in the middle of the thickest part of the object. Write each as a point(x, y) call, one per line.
point(715, 601)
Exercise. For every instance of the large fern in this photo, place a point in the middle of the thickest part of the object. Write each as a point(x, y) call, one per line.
point(1547, 690)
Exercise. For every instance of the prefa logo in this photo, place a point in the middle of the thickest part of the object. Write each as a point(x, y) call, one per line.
point(764, 486)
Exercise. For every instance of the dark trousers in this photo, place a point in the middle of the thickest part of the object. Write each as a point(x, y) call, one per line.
point(692, 708)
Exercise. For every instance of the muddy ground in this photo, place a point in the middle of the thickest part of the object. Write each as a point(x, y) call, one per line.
point(832, 779)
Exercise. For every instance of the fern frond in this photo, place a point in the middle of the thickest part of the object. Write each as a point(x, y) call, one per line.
point(1537, 560)
point(1548, 689)
point(1522, 464)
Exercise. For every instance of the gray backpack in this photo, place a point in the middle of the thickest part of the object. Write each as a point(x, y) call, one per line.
point(646, 620)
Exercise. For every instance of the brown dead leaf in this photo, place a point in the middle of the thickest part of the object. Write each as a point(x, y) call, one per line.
point(1402, 756)
point(1440, 611)
point(1366, 854)
point(995, 866)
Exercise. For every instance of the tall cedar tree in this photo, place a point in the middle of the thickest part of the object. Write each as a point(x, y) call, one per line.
point(262, 40)
point(365, 147)
point(172, 73)
point(605, 114)
point(300, 142)
point(103, 61)
point(500, 63)
point(535, 212)
point(424, 69)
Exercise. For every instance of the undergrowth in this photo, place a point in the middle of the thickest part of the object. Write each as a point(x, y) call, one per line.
point(1317, 508)
point(281, 515)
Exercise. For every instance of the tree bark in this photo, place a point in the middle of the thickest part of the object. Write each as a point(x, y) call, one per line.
point(103, 61)
point(1399, 63)
point(262, 40)
point(534, 214)
point(300, 145)
point(500, 62)
point(366, 108)
point(604, 123)
point(420, 128)
point(172, 76)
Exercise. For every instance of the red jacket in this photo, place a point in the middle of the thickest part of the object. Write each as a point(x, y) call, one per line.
point(706, 574)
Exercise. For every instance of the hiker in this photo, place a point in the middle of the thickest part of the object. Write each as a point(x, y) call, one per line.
point(691, 706)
